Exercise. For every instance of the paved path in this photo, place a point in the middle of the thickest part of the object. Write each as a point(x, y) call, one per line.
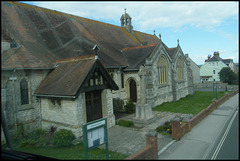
point(198, 143)
point(127, 140)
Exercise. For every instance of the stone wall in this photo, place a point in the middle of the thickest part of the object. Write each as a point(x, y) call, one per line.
point(157, 93)
point(15, 113)
point(71, 114)
point(66, 115)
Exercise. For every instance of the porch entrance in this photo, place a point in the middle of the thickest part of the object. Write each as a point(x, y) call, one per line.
point(93, 105)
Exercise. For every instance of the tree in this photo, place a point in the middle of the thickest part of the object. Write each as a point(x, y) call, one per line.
point(227, 75)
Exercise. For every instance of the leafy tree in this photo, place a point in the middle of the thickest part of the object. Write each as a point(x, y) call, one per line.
point(227, 75)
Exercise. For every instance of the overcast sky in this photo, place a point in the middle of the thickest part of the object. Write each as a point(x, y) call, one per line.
point(201, 27)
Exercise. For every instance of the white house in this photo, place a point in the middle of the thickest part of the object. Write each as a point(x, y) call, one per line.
point(209, 71)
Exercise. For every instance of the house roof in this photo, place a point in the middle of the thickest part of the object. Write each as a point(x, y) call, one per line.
point(216, 57)
point(46, 36)
point(67, 79)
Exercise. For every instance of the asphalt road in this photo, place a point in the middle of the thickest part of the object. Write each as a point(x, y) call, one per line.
point(227, 148)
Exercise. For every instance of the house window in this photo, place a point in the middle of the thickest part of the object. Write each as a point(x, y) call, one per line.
point(213, 71)
point(24, 92)
point(180, 67)
point(162, 70)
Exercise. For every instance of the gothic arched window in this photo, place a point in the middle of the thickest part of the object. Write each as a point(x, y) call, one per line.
point(24, 92)
point(180, 68)
point(162, 70)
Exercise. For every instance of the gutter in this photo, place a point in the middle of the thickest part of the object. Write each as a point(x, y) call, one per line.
point(56, 96)
point(129, 70)
point(110, 67)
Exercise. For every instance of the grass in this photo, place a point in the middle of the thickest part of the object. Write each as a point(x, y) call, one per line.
point(191, 104)
point(72, 153)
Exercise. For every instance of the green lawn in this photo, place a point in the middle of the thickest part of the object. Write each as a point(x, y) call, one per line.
point(72, 153)
point(191, 104)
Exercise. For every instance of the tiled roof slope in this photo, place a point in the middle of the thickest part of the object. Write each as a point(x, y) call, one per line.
point(136, 55)
point(48, 35)
point(70, 75)
point(66, 78)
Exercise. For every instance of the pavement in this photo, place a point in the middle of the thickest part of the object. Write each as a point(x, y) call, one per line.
point(128, 140)
point(198, 143)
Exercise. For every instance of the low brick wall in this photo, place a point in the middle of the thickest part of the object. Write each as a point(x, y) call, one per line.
point(150, 152)
point(179, 130)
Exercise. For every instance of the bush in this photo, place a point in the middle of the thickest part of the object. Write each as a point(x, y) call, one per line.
point(63, 137)
point(130, 107)
point(36, 138)
point(118, 105)
point(165, 129)
point(36, 134)
point(125, 123)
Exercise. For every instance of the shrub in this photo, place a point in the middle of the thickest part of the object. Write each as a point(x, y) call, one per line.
point(63, 137)
point(36, 134)
point(36, 138)
point(130, 107)
point(125, 123)
point(165, 129)
point(118, 105)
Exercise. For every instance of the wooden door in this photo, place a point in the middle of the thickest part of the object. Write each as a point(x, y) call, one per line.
point(93, 105)
point(133, 90)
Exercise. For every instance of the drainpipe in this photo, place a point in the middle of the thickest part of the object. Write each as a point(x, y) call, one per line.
point(120, 81)
point(40, 112)
point(13, 79)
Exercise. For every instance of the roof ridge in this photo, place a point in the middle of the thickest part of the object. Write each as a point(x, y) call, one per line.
point(78, 58)
point(137, 47)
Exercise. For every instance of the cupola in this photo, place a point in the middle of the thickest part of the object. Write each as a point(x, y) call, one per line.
point(126, 21)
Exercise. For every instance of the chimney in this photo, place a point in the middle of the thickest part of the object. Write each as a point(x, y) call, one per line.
point(216, 53)
point(208, 58)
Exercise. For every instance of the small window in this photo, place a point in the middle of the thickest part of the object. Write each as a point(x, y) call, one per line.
point(213, 71)
point(24, 92)
point(127, 21)
point(122, 80)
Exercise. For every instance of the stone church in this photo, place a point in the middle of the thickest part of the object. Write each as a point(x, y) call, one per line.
point(64, 70)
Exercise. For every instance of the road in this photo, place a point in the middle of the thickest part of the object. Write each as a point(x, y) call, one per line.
point(215, 137)
point(227, 147)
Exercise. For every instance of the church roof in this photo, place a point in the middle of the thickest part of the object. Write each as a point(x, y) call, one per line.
point(136, 55)
point(69, 77)
point(45, 36)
